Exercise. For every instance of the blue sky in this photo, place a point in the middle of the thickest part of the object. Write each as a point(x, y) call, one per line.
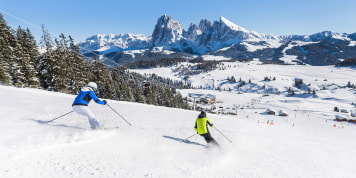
point(81, 19)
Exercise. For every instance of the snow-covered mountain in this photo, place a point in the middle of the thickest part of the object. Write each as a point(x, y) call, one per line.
point(114, 43)
point(222, 38)
point(224, 33)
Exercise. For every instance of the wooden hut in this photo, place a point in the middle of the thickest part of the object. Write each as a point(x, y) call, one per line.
point(270, 111)
point(340, 118)
point(283, 113)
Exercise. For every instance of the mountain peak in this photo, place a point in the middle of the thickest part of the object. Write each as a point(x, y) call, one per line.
point(231, 25)
point(328, 34)
point(166, 31)
point(222, 18)
point(165, 17)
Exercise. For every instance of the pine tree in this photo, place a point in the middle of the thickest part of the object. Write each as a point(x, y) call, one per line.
point(18, 68)
point(349, 84)
point(46, 63)
point(76, 67)
point(127, 93)
point(153, 95)
point(109, 92)
point(138, 95)
point(60, 65)
point(169, 100)
point(233, 79)
point(29, 52)
point(102, 77)
point(31, 45)
point(46, 40)
point(7, 46)
point(4, 78)
point(116, 77)
point(180, 100)
point(150, 95)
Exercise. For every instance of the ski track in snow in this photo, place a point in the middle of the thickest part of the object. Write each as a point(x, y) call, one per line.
point(304, 144)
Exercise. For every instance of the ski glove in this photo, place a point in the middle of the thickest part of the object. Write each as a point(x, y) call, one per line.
point(104, 102)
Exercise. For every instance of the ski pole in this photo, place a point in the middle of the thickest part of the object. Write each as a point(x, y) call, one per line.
point(119, 114)
point(60, 116)
point(188, 137)
point(223, 135)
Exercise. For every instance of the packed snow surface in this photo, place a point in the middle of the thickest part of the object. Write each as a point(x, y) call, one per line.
point(307, 143)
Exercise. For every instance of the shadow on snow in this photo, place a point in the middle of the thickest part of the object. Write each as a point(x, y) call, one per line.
point(55, 125)
point(182, 140)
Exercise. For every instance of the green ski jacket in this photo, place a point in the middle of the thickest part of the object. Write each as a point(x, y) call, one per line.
point(201, 125)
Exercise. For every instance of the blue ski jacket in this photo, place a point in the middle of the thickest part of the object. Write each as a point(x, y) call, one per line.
point(85, 96)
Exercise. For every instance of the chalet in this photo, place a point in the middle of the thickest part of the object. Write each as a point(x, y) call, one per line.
point(211, 98)
point(208, 99)
point(340, 118)
point(283, 113)
point(269, 111)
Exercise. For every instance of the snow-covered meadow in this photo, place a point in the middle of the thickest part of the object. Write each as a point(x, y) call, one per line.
point(307, 143)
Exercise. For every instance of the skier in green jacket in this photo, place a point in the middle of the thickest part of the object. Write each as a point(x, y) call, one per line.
point(202, 129)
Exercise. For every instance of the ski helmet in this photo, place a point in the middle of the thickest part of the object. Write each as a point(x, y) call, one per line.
point(202, 114)
point(92, 85)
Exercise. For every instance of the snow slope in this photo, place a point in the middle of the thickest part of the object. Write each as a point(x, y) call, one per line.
point(304, 145)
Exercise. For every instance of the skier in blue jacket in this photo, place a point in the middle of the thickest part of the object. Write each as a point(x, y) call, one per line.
point(80, 104)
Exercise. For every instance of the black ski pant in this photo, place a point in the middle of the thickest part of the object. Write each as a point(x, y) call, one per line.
point(208, 138)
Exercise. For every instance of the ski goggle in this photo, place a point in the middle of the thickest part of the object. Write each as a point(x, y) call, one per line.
point(95, 89)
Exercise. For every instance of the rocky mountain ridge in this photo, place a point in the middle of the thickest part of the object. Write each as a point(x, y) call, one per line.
point(221, 38)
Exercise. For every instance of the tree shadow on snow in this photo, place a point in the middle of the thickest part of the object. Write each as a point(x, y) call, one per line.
point(182, 140)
